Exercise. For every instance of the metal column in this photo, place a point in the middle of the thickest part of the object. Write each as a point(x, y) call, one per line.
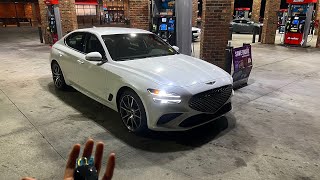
point(307, 25)
point(58, 21)
point(184, 25)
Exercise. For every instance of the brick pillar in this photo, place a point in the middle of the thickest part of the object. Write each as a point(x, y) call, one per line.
point(139, 14)
point(270, 21)
point(215, 31)
point(318, 29)
point(194, 12)
point(256, 7)
point(232, 8)
point(68, 17)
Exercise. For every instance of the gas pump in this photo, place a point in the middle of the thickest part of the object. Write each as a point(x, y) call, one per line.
point(300, 16)
point(282, 17)
point(164, 20)
point(242, 13)
point(54, 20)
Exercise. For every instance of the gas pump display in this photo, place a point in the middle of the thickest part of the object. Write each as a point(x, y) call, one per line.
point(164, 20)
point(299, 22)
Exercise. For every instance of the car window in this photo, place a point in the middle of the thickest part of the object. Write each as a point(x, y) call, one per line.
point(244, 21)
point(237, 21)
point(76, 41)
point(93, 45)
point(134, 46)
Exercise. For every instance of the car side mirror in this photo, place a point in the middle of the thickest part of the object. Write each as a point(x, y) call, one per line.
point(94, 56)
point(176, 48)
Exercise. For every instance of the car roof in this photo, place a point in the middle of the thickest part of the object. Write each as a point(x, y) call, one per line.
point(112, 30)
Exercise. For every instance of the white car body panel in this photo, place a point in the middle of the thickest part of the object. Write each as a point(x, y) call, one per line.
point(178, 73)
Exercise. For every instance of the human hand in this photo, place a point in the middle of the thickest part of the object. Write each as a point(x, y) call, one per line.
point(87, 152)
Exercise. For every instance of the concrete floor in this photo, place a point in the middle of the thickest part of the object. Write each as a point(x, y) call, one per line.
point(273, 132)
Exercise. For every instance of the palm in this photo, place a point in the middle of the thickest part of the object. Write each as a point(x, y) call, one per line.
point(87, 152)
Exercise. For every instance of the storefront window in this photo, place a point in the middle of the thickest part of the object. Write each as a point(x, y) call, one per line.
point(115, 10)
point(86, 10)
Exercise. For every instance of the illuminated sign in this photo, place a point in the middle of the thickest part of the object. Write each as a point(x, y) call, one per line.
point(51, 2)
point(301, 1)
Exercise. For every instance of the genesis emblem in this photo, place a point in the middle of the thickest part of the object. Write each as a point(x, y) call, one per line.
point(211, 83)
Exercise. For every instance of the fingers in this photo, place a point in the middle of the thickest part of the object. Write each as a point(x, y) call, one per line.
point(98, 156)
point(110, 167)
point(88, 149)
point(71, 163)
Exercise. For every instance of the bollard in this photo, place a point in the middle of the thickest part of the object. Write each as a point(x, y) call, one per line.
point(40, 34)
point(228, 53)
point(260, 33)
point(254, 34)
point(230, 32)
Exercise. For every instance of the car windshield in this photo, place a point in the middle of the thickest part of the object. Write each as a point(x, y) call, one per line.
point(124, 47)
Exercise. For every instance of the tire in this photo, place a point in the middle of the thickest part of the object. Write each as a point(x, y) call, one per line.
point(132, 112)
point(57, 76)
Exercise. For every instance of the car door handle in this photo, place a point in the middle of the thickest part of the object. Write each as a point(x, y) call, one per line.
point(80, 61)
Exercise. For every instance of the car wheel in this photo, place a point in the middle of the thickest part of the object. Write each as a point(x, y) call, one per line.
point(57, 75)
point(132, 112)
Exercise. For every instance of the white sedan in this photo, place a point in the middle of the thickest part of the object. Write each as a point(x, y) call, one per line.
point(142, 77)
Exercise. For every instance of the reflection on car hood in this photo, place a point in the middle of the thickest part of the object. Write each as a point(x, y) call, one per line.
point(175, 70)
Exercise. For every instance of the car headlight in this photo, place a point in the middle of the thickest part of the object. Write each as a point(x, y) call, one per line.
point(163, 97)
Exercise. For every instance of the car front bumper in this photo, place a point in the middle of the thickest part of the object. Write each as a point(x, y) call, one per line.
point(181, 117)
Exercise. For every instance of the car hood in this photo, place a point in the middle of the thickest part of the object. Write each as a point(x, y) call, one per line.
point(175, 70)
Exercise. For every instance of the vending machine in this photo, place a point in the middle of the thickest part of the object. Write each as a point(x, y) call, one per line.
point(300, 17)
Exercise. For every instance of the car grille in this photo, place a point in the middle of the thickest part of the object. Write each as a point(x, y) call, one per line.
point(205, 118)
point(212, 100)
point(194, 32)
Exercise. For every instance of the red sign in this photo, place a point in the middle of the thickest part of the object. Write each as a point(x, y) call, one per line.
point(293, 38)
point(51, 2)
point(242, 9)
point(301, 1)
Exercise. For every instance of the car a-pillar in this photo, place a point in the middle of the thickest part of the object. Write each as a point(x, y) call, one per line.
point(68, 17)
point(215, 31)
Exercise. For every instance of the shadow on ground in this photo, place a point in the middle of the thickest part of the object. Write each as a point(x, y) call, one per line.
point(153, 141)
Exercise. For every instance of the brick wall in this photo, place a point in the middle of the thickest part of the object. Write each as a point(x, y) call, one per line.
point(256, 7)
point(194, 12)
point(215, 30)
point(270, 22)
point(139, 14)
point(68, 15)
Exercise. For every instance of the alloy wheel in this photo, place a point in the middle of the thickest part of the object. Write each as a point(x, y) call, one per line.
point(57, 76)
point(130, 113)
